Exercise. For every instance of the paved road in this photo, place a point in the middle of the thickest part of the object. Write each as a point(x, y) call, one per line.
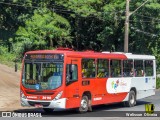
point(114, 110)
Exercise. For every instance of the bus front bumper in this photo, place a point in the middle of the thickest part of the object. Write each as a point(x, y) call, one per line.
point(60, 103)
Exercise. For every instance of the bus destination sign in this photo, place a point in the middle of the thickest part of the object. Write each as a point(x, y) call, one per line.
point(57, 57)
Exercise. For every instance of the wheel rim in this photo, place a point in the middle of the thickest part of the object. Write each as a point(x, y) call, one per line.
point(132, 99)
point(84, 104)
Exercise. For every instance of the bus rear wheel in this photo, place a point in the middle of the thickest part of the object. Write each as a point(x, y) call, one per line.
point(131, 100)
point(84, 105)
point(48, 110)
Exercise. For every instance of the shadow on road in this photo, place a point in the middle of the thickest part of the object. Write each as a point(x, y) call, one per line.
point(109, 110)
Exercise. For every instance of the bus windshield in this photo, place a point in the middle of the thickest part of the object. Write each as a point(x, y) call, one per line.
point(42, 75)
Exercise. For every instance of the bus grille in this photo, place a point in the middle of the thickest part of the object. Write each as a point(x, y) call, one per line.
point(39, 93)
point(45, 104)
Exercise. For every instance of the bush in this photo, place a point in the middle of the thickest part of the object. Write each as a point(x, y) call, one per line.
point(158, 82)
point(6, 57)
point(21, 47)
point(3, 50)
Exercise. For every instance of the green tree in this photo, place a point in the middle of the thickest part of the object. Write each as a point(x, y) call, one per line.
point(45, 29)
point(144, 30)
point(85, 17)
point(112, 35)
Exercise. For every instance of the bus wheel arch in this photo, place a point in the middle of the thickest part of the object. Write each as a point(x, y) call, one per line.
point(131, 98)
point(85, 103)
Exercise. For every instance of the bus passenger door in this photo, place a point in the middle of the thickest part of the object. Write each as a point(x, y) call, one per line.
point(72, 86)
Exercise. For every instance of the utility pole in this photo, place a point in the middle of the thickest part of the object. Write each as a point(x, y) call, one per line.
point(126, 27)
point(126, 35)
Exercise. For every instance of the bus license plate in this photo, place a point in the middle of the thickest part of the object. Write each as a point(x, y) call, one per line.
point(38, 106)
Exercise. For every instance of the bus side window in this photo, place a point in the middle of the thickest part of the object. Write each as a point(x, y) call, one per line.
point(128, 70)
point(148, 67)
point(88, 68)
point(115, 68)
point(138, 66)
point(103, 68)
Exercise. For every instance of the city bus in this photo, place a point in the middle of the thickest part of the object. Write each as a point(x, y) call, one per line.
point(63, 78)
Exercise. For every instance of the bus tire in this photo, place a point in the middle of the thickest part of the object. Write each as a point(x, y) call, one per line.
point(131, 100)
point(48, 110)
point(84, 104)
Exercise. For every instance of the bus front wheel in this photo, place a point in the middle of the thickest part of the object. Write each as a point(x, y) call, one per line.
point(131, 100)
point(84, 105)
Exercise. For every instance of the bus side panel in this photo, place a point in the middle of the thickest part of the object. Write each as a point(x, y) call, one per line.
point(145, 86)
point(104, 92)
point(99, 91)
point(72, 95)
point(100, 94)
point(113, 98)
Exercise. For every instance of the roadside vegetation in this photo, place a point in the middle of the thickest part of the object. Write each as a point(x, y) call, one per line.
point(6, 57)
point(158, 83)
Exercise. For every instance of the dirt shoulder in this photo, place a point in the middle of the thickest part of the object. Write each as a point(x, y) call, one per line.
point(9, 88)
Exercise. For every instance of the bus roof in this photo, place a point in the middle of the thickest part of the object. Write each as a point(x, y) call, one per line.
point(135, 56)
point(84, 54)
point(92, 54)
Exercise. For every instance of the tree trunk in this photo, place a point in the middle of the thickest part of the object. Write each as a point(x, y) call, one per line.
point(51, 42)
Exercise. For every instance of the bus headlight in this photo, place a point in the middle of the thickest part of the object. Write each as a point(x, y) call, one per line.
point(22, 95)
point(58, 95)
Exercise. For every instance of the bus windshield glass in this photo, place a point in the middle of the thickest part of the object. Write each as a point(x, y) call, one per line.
point(42, 74)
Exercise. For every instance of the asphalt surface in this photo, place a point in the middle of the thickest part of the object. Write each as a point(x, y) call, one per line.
point(112, 110)
point(102, 112)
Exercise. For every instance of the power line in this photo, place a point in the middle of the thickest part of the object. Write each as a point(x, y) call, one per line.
point(139, 7)
point(59, 10)
point(58, 7)
point(55, 8)
point(128, 14)
point(144, 21)
point(146, 33)
point(17, 5)
point(64, 11)
point(148, 17)
point(20, 5)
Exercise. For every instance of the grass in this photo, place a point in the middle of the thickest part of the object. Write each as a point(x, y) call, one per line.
point(8, 59)
point(158, 83)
